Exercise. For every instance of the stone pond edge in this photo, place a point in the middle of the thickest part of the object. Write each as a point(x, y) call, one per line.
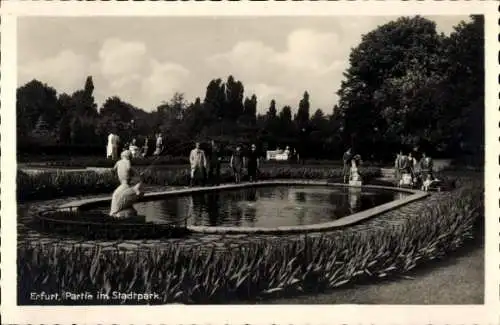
point(320, 227)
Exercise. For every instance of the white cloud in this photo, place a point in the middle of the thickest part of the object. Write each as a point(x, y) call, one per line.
point(265, 93)
point(66, 71)
point(144, 72)
point(165, 79)
point(122, 68)
point(118, 58)
point(311, 61)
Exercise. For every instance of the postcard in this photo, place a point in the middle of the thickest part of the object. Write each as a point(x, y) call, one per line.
point(250, 162)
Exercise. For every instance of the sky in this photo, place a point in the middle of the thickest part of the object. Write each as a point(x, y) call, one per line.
point(145, 60)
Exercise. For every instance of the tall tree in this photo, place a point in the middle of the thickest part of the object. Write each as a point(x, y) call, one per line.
point(386, 91)
point(234, 93)
point(463, 111)
point(272, 112)
point(302, 117)
point(84, 100)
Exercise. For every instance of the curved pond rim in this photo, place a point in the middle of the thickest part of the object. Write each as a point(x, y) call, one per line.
point(320, 227)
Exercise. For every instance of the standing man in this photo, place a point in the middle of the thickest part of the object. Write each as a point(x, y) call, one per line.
point(236, 164)
point(198, 162)
point(253, 162)
point(215, 157)
point(347, 164)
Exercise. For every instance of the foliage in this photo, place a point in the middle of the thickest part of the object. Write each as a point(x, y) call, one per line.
point(46, 185)
point(258, 270)
point(406, 84)
point(403, 81)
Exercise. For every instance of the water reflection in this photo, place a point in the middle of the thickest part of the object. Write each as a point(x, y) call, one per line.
point(267, 206)
point(354, 199)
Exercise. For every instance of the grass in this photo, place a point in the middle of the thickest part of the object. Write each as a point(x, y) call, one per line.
point(257, 271)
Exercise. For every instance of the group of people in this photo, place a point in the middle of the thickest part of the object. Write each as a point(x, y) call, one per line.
point(414, 169)
point(113, 147)
point(205, 166)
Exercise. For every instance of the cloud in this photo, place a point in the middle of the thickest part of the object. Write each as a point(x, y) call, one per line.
point(311, 61)
point(276, 62)
point(118, 58)
point(165, 79)
point(66, 71)
point(121, 68)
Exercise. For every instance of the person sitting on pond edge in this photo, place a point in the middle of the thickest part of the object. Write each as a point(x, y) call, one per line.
point(253, 162)
point(198, 162)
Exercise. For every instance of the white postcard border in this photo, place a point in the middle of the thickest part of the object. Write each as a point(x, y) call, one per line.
point(292, 314)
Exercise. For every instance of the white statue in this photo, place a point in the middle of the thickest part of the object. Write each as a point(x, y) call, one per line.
point(125, 195)
point(354, 177)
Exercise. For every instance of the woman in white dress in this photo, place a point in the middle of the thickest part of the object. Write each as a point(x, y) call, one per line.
point(109, 147)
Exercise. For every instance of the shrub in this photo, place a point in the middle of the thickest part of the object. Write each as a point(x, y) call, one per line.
point(52, 184)
point(267, 268)
point(99, 161)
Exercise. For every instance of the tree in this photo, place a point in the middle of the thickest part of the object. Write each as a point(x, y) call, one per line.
point(302, 117)
point(272, 112)
point(387, 92)
point(463, 109)
point(250, 110)
point(84, 100)
point(35, 99)
point(234, 93)
point(115, 116)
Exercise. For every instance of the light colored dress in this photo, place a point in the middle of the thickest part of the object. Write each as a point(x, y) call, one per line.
point(109, 147)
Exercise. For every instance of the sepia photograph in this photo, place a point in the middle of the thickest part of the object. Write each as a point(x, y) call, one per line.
point(250, 160)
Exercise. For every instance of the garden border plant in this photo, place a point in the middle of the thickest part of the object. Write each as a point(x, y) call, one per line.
point(257, 270)
point(53, 184)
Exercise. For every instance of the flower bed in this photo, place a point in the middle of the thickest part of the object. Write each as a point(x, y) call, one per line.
point(48, 185)
point(264, 269)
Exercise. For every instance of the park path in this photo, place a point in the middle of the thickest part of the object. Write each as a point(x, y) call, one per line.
point(430, 285)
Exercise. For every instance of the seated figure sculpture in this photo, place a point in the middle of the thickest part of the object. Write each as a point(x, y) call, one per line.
point(125, 195)
point(354, 177)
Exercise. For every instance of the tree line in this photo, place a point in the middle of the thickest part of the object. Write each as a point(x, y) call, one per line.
point(406, 85)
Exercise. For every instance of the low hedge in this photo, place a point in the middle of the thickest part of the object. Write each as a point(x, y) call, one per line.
point(91, 161)
point(258, 270)
point(52, 184)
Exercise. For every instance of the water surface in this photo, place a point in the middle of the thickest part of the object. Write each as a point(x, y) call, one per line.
point(270, 206)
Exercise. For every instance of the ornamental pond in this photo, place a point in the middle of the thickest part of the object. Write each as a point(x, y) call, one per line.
point(265, 206)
